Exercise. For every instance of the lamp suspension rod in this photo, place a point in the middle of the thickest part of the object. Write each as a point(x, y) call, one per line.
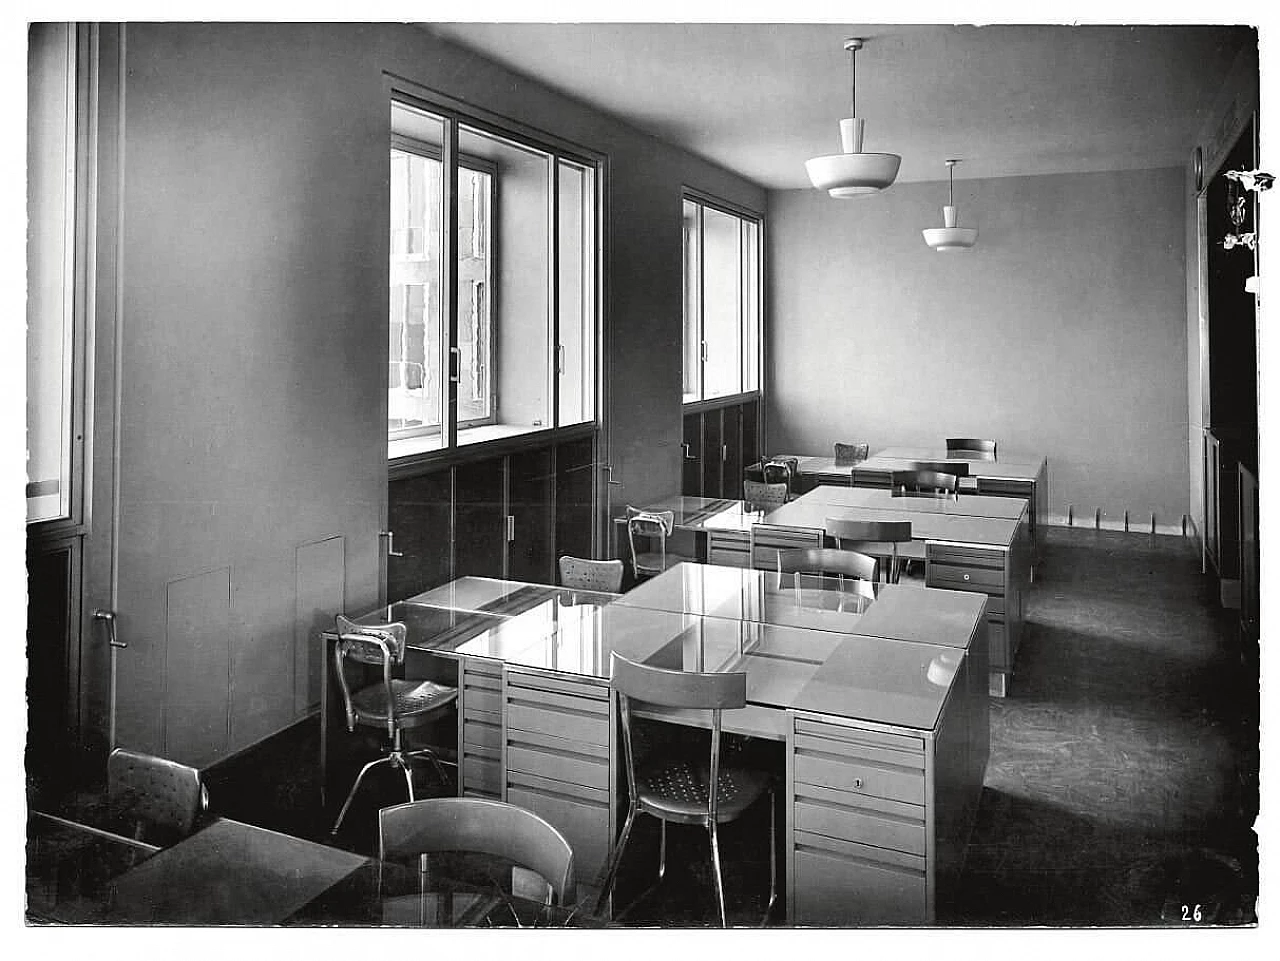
point(853, 45)
point(951, 185)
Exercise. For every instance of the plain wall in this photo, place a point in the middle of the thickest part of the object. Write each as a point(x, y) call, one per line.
point(253, 294)
point(1062, 332)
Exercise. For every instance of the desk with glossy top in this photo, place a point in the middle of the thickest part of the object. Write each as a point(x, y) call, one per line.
point(961, 551)
point(884, 718)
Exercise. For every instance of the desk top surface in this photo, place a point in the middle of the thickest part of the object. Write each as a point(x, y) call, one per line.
point(704, 513)
point(697, 617)
point(1014, 466)
point(874, 498)
point(956, 528)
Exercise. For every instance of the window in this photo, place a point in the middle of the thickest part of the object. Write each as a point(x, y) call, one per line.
point(517, 353)
point(51, 199)
point(721, 301)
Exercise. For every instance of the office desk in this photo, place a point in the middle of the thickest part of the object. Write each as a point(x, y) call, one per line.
point(232, 873)
point(961, 552)
point(719, 525)
point(886, 738)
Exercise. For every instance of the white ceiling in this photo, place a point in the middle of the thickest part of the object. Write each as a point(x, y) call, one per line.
point(1008, 100)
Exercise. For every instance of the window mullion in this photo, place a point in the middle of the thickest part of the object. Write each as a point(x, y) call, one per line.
point(700, 287)
point(553, 289)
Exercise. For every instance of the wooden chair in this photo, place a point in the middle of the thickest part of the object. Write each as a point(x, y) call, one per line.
point(582, 574)
point(393, 704)
point(651, 528)
point(686, 789)
point(763, 497)
point(924, 482)
point(878, 539)
point(972, 448)
point(153, 799)
point(849, 454)
point(480, 826)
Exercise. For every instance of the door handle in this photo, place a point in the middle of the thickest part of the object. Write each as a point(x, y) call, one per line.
point(109, 618)
point(115, 645)
point(391, 543)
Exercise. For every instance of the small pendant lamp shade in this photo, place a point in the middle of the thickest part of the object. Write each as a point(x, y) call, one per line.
point(949, 236)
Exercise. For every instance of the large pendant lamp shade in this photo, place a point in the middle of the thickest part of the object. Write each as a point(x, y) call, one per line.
point(853, 173)
point(949, 236)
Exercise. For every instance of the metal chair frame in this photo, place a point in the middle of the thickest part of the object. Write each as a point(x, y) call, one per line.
point(481, 826)
point(382, 644)
point(763, 495)
point(871, 538)
point(713, 692)
point(650, 524)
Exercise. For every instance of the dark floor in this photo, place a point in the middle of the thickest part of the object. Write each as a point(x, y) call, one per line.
point(1122, 783)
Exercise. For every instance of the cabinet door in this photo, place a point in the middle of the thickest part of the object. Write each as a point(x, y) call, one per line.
point(691, 456)
point(731, 461)
point(712, 455)
point(529, 486)
point(479, 518)
point(750, 433)
point(420, 513)
point(575, 498)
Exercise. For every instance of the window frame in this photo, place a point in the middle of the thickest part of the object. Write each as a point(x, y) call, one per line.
point(745, 216)
point(407, 144)
point(455, 114)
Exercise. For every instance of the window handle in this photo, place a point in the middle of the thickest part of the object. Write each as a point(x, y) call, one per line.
point(455, 362)
point(391, 543)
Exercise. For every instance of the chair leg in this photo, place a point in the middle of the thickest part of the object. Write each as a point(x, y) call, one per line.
point(773, 859)
point(606, 889)
point(430, 755)
point(715, 865)
point(662, 850)
point(408, 776)
point(355, 787)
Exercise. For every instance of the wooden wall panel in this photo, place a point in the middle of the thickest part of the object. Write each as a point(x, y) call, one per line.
point(320, 572)
point(197, 685)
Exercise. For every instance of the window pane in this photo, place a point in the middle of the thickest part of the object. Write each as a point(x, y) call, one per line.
point(415, 385)
point(721, 303)
point(751, 306)
point(505, 374)
point(50, 266)
point(692, 336)
point(475, 318)
point(577, 293)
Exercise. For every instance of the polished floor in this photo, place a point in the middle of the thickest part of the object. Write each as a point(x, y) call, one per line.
point(1122, 784)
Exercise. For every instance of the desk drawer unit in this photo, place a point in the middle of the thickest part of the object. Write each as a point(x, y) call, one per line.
point(858, 819)
point(767, 540)
point(480, 728)
point(729, 548)
point(1035, 494)
point(983, 570)
point(556, 759)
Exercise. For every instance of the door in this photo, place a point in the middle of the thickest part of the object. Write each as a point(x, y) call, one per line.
point(529, 489)
point(712, 454)
point(691, 456)
point(731, 447)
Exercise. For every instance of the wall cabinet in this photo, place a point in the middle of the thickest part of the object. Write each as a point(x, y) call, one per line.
point(508, 515)
point(718, 443)
point(1249, 554)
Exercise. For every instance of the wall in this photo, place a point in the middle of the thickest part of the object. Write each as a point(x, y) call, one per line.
point(253, 306)
point(1062, 332)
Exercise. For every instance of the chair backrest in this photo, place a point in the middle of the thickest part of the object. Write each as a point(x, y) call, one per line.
point(654, 526)
point(694, 690)
point(847, 454)
point(974, 448)
point(959, 469)
point(479, 826)
point(582, 574)
point(924, 481)
point(155, 799)
point(827, 561)
point(381, 644)
point(775, 472)
point(761, 496)
point(845, 530)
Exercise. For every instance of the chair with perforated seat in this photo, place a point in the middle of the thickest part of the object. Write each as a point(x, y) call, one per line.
point(480, 826)
point(846, 455)
point(686, 788)
point(583, 574)
point(650, 529)
point(393, 704)
point(153, 799)
point(971, 448)
point(924, 482)
point(763, 497)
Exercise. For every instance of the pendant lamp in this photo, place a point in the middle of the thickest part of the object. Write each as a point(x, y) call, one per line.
point(853, 173)
point(950, 237)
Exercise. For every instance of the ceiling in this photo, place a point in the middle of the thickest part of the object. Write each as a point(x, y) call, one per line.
point(1008, 100)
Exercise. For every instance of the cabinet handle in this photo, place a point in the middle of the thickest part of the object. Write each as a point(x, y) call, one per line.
point(511, 528)
point(724, 453)
point(688, 452)
point(455, 362)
